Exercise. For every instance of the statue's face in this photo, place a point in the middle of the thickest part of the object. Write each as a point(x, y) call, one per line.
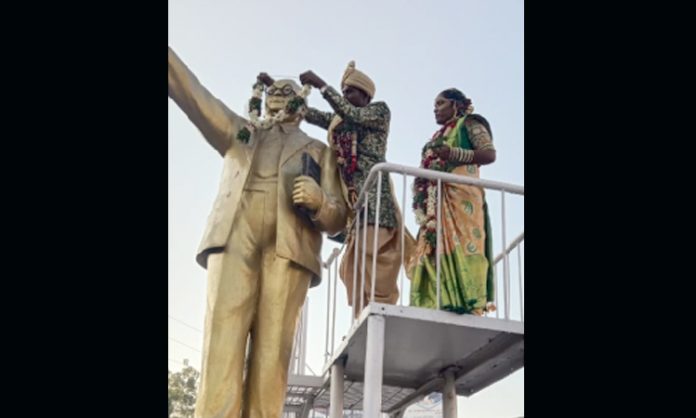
point(279, 94)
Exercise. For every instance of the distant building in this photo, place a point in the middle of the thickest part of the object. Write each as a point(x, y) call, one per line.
point(429, 407)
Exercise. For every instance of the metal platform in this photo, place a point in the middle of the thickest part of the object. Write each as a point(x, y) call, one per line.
point(419, 345)
point(314, 390)
point(392, 397)
point(302, 392)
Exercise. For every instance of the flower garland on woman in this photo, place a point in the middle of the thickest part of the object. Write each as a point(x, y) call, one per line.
point(425, 190)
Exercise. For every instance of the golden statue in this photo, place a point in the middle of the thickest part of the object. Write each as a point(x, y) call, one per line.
point(261, 252)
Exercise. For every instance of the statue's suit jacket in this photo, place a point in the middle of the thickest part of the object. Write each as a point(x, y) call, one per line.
point(298, 238)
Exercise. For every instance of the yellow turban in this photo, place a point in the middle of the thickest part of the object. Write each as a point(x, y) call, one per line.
point(356, 78)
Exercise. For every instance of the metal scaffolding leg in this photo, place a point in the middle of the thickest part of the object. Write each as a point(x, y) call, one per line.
point(449, 396)
point(397, 414)
point(336, 400)
point(304, 413)
point(374, 357)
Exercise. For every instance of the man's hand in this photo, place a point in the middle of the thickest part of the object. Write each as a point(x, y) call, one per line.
point(308, 77)
point(265, 79)
point(306, 192)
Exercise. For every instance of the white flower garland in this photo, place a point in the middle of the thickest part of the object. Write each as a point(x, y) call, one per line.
point(426, 216)
point(258, 123)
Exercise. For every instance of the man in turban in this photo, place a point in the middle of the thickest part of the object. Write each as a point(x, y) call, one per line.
point(357, 132)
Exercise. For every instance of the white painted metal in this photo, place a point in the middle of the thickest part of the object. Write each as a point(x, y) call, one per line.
point(373, 281)
point(336, 406)
point(438, 243)
point(374, 357)
point(449, 396)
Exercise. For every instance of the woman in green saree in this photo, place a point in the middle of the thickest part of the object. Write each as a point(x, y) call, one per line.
point(461, 146)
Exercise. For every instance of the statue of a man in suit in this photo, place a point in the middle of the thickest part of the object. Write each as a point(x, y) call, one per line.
point(261, 253)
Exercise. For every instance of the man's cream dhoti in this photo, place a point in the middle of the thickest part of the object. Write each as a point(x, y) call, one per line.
point(388, 264)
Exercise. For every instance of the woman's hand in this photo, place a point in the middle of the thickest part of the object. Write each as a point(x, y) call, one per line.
point(443, 152)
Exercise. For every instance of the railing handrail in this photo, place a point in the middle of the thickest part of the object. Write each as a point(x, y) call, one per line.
point(337, 251)
point(435, 175)
point(332, 366)
point(510, 247)
point(332, 257)
point(375, 174)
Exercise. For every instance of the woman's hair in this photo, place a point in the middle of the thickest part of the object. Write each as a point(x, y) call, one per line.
point(459, 98)
point(463, 103)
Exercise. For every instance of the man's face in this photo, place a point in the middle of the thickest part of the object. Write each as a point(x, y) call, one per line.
point(278, 95)
point(355, 96)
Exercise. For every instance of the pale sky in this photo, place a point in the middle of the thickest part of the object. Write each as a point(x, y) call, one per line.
point(412, 50)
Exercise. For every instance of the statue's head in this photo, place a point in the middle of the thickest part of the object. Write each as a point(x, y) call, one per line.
point(279, 94)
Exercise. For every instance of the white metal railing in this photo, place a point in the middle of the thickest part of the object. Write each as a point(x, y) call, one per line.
point(372, 382)
point(299, 346)
point(299, 366)
point(362, 205)
point(515, 244)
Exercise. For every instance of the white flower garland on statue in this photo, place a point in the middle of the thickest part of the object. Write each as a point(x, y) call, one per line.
point(280, 115)
point(296, 105)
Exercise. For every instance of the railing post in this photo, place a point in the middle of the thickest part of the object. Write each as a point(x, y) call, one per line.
point(301, 361)
point(496, 298)
point(356, 237)
point(364, 254)
point(336, 395)
point(519, 274)
point(506, 272)
point(336, 251)
point(374, 357)
point(375, 232)
point(438, 242)
point(449, 396)
point(328, 309)
point(403, 238)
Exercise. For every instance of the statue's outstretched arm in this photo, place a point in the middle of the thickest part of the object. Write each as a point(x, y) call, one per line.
point(218, 124)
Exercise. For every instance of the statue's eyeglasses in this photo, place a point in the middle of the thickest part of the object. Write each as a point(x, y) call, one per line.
point(286, 90)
